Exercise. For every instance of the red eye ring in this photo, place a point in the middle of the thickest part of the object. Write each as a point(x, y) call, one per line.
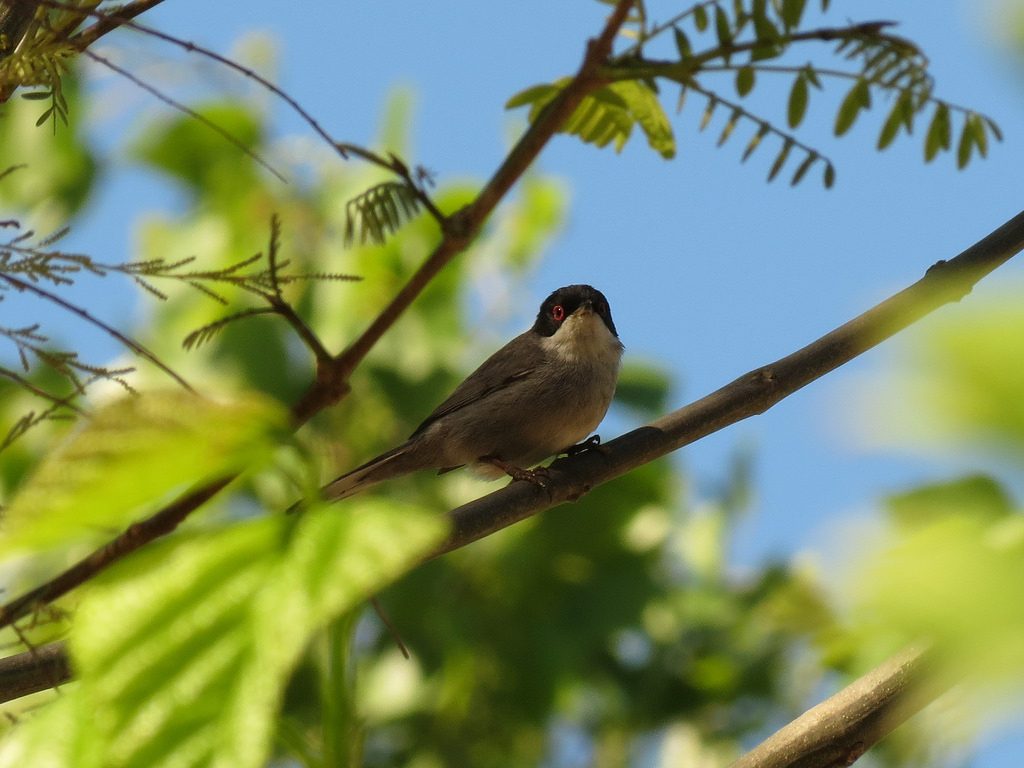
point(558, 313)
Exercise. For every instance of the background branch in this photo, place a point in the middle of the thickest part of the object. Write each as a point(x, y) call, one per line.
point(843, 727)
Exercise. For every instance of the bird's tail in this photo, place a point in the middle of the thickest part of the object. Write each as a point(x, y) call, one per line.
point(391, 464)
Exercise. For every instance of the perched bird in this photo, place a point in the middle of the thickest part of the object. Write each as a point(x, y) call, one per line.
point(539, 395)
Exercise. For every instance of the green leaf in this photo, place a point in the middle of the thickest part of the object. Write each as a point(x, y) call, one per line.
point(709, 111)
point(802, 169)
point(792, 12)
point(829, 176)
point(856, 99)
point(755, 141)
point(723, 30)
point(682, 43)
point(730, 126)
point(182, 652)
point(963, 150)
point(892, 123)
point(797, 106)
point(700, 17)
point(939, 132)
point(980, 137)
point(644, 107)
point(132, 455)
point(744, 80)
point(780, 161)
point(543, 93)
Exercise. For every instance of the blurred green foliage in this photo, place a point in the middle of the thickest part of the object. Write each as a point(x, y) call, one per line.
point(608, 632)
point(948, 568)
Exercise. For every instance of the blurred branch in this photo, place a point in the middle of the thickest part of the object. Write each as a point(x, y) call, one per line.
point(33, 671)
point(843, 727)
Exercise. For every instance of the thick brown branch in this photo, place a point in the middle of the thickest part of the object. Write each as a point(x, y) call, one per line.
point(749, 395)
point(843, 727)
point(33, 671)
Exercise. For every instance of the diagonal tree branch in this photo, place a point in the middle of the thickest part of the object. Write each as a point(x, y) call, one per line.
point(332, 374)
point(748, 395)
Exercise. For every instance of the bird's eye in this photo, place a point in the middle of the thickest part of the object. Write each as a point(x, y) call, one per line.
point(558, 313)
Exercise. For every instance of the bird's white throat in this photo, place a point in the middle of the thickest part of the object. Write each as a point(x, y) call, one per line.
point(584, 337)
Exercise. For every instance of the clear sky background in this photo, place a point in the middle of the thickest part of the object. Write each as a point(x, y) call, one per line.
point(709, 270)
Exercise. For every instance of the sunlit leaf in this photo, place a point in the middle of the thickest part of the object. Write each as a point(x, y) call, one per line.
point(182, 652)
point(130, 456)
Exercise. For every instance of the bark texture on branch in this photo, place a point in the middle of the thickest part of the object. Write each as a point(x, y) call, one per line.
point(843, 727)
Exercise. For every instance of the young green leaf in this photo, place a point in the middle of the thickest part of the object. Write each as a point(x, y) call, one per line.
point(183, 651)
point(755, 141)
point(131, 455)
point(723, 30)
point(744, 80)
point(939, 132)
point(792, 12)
point(858, 98)
point(709, 110)
point(797, 106)
point(700, 18)
point(802, 169)
point(730, 126)
point(830, 175)
point(643, 106)
point(682, 43)
point(963, 150)
point(780, 161)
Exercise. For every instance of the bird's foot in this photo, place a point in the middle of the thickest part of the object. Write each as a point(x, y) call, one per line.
point(591, 443)
point(538, 476)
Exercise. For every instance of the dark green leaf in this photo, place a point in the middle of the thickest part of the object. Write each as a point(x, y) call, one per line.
point(744, 80)
point(802, 169)
point(856, 99)
point(36, 95)
point(797, 107)
point(963, 150)
point(700, 18)
point(994, 127)
point(780, 161)
point(792, 12)
point(830, 175)
point(723, 30)
point(939, 133)
point(682, 43)
point(892, 123)
point(812, 76)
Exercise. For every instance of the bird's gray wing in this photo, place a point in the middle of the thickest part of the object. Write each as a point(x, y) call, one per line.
point(514, 362)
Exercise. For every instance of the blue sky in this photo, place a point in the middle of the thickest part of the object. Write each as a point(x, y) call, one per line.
point(710, 271)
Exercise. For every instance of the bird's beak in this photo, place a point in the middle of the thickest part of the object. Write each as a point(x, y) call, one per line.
point(586, 308)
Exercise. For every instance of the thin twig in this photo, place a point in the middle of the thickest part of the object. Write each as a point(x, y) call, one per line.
point(133, 345)
point(183, 109)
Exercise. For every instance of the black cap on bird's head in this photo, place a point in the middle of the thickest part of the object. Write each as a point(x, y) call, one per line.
point(564, 302)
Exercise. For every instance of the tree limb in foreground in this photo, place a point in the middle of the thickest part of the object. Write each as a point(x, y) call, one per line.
point(752, 393)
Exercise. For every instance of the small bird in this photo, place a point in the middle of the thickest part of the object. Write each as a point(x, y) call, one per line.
point(537, 396)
